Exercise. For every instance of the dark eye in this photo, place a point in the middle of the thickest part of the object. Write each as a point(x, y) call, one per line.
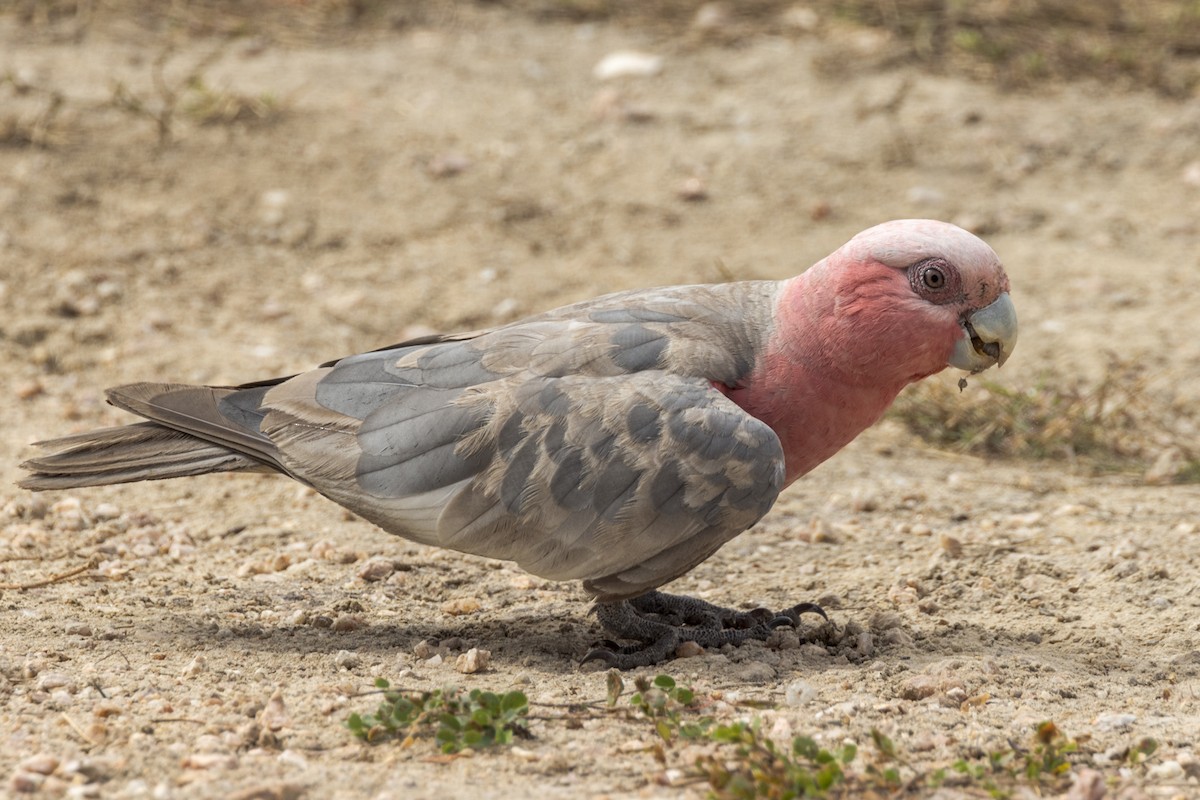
point(933, 278)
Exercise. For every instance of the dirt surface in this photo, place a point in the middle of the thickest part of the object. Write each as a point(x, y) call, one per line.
point(467, 170)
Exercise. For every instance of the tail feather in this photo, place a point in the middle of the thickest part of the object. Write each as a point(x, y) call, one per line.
point(192, 430)
point(144, 451)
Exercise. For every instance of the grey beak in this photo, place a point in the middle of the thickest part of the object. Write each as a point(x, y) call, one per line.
point(989, 336)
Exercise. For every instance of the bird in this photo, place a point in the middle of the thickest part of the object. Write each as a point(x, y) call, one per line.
point(618, 441)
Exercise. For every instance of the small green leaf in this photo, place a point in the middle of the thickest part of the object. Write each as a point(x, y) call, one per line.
point(515, 701)
point(805, 747)
point(883, 743)
point(664, 682)
point(382, 683)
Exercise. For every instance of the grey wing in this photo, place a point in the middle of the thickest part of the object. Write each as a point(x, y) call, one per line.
point(625, 483)
point(588, 444)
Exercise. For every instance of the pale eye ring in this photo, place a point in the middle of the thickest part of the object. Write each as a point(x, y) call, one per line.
point(933, 279)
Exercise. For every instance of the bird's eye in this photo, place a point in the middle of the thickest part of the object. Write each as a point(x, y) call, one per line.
point(933, 278)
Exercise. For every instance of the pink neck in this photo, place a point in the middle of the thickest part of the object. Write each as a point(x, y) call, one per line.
point(825, 376)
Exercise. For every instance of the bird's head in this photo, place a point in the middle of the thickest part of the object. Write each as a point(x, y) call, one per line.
point(906, 299)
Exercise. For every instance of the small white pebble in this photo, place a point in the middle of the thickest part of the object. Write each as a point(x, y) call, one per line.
point(48, 681)
point(194, 667)
point(798, 693)
point(347, 659)
point(472, 661)
point(1169, 770)
point(627, 63)
point(106, 511)
point(1114, 721)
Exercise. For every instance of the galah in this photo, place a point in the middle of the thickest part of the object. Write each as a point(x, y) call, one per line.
point(618, 441)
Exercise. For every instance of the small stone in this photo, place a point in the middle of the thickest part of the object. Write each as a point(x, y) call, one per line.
point(798, 693)
point(23, 782)
point(918, 687)
point(472, 661)
point(209, 761)
point(1114, 721)
point(42, 764)
point(461, 605)
point(424, 649)
point(1169, 770)
point(447, 165)
point(711, 17)
point(885, 620)
point(106, 511)
point(800, 18)
point(754, 672)
point(523, 753)
point(78, 629)
point(48, 681)
point(348, 622)
point(950, 546)
point(865, 644)
point(194, 667)
point(274, 715)
point(347, 659)
point(692, 189)
point(627, 64)
point(28, 390)
point(688, 649)
point(1191, 174)
point(1089, 784)
point(376, 569)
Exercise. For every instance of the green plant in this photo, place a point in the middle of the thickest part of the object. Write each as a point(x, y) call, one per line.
point(1047, 763)
point(458, 720)
point(760, 768)
point(663, 701)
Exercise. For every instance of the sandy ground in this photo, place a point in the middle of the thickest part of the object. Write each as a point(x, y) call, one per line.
point(472, 169)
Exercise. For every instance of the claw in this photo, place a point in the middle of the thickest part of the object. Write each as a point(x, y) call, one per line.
point(600, 654)
point(784, 620)
point(808, 608)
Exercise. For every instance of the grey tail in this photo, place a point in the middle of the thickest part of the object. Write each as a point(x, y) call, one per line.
point(192, 430)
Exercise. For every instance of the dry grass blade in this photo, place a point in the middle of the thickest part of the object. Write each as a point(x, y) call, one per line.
point(1121, 423)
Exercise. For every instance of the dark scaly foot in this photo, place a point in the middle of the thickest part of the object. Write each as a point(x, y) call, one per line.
point(662, 621)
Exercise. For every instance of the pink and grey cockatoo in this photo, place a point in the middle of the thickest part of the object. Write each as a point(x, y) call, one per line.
point(618, 441)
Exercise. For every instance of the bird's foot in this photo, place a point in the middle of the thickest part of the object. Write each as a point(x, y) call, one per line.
point(661, 622)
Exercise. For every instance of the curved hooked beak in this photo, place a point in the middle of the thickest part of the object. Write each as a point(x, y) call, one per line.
point(989, 336)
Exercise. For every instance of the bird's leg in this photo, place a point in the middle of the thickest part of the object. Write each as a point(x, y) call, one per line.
point(661, 621)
